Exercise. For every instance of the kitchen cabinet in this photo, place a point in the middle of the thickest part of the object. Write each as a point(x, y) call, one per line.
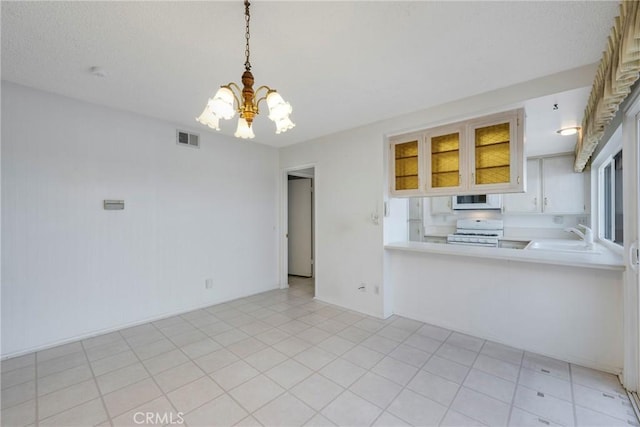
point(444, 159)
point(552, 188)
point(563, 188)
point(531, 200)
point(496, 153)
point(406, 165)
point(479, 156)
point(440, 205)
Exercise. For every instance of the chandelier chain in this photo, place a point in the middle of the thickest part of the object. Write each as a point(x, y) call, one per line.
point(247, 35)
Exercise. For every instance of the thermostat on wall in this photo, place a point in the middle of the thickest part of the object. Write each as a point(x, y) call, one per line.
point(113, 205)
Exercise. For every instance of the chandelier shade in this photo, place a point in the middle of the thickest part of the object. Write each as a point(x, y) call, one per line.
point(231, 98)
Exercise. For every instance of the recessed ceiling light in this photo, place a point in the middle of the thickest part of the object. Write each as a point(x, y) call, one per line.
point(569, 131)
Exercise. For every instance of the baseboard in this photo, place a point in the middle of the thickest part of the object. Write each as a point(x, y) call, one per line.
point(346, 308)
point(123, 326)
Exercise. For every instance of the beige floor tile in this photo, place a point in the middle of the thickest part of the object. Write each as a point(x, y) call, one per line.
point(256, 392)
point(222, 411)
point(351, 410)
point(63, 379)
point(194, 394)
point(66, 398)
point(178, 376)
point(17, 394)
point(88, 414)
point(165, 361)
point(157, 412)
point(20, 415)
point(234, 375)
point(131, 397)
point(17, 376)
point(317, 391)
point(285, 410)
point(120, 378)
point(289, 373)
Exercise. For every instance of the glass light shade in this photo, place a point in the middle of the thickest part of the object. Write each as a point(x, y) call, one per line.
point(208, 118)
point(284, 125)
point(244, 131)
point(222, 103)
point(278, 108)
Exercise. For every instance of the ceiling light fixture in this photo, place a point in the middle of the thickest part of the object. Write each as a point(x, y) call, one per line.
point(221, 106)
point(569, 131)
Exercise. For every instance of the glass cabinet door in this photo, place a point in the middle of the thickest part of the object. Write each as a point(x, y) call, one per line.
point(492, 146)
point(444, 159)
point(496, 153)
point(405, 157)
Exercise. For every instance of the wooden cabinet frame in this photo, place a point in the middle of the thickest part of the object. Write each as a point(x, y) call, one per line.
point(466, 158)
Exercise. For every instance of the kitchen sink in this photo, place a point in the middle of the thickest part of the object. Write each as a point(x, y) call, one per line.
point(571, 246)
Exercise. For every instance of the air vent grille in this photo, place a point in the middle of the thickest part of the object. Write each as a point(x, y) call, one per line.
point(187, 139)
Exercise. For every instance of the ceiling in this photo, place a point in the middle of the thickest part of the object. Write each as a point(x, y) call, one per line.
point(340, 64)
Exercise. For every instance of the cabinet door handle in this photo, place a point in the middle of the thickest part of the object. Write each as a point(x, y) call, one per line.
point(518, 180)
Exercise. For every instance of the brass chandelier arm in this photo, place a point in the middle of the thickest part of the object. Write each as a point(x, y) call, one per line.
point(268, 91)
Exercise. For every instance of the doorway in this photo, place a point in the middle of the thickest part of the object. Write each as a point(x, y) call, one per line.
point(300, 230)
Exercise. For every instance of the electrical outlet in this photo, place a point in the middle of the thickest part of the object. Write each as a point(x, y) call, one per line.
point(362, 287)
point(208, 284)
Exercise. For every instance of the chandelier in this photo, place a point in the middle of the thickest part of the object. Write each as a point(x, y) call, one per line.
point(246, 100)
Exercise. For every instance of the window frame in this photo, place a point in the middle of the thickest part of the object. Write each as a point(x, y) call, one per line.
point(606, 158)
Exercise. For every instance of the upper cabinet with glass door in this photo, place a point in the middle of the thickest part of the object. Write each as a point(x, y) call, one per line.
point(444, 159)
point(480, 156)
point(496, 153)
point(406, 165)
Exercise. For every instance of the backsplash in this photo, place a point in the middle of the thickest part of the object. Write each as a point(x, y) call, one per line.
point(523, 225)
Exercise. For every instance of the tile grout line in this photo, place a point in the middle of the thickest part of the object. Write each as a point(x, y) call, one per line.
point(465, 378)
point(404, 387)
point(515, 389)
point(312, 345)
point(95, 381)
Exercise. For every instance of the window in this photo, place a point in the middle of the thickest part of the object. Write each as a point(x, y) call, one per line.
point(611, 202)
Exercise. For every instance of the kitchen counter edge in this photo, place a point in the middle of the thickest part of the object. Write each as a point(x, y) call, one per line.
point(607, 260)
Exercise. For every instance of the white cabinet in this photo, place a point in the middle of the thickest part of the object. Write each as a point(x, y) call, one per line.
point(531, 200)
point(495, 153)
point(480, 156)
point(440, 205)
point(563, 189)
point(406, 165)
point(552, 188)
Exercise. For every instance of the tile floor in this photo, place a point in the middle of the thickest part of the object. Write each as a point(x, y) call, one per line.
point(282, 359)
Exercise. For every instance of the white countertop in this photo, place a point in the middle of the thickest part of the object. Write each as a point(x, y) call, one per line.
point(606, 259)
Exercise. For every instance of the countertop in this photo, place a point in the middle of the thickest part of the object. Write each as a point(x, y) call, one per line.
point(606, 259)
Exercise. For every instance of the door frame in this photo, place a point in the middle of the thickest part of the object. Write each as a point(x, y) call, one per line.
point(631, 293)
point(284, 221)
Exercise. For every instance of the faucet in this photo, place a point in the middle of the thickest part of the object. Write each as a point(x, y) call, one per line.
point(587, 236)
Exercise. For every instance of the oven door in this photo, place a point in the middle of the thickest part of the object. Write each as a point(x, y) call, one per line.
point(477, 201)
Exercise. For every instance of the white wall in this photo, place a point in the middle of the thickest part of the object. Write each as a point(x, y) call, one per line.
point(350, 186)
point(70, 268)
point(572, 314)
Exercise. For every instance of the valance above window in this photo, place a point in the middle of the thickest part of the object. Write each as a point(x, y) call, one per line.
point(618, 71)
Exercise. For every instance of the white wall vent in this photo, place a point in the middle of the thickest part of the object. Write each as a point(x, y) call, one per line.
point(187, 139)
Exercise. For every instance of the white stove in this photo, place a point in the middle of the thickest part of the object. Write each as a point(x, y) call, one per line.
point(477, 232)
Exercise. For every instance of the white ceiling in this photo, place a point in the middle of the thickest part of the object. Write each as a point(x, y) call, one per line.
point(340, 64)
